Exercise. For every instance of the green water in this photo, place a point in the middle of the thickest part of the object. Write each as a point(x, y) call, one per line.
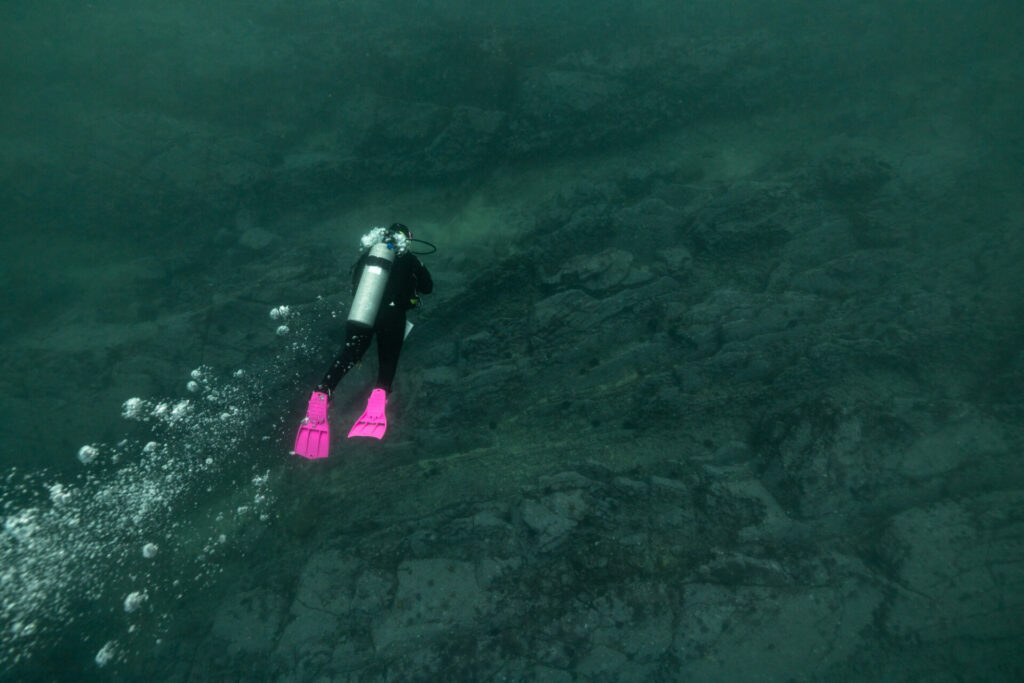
point(720, 380)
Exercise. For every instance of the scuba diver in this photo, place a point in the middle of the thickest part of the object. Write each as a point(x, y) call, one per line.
point(387, 279)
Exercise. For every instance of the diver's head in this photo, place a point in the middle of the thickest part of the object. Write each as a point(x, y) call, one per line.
point(398, 227)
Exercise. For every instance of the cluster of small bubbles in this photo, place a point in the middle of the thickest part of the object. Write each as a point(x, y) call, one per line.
point(133, 408)
point(180, 410)
point(199, 377)
point(260, 482)
point(58, 494)
point(22, 525)
point(282, 330)
point(372, 237)
point(82, 544)
point(20, 630)
point(86, 454)
point(232, 411)
point(280, 313)
point(171, 412)
point(134, 600)
point(201, 374)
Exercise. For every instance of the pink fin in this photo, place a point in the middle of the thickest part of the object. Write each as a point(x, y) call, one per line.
point(373, 422)
point(314, 437)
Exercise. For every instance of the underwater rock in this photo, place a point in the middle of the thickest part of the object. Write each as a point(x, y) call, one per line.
point(256, 239)
point(856, 273)
point(554, 103)
point(433, 597)
point(679, 261)
point(310, 176)
point(316, 618)
point(749, 217)
point(952, 446)
point(479, 347)
point(468, 141)
point(663, 570)
point(602, 660)
point(572, 312)
point(602, 272)
point(566, 480)
point(809, 629)
point(732, 452)
point(246, 622)
point(961, 562)
point(550, 526)
point(653, 218)
point(846, 177)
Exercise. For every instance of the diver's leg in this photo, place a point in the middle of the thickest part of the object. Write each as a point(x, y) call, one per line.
point(357, 340)
point(390, 335)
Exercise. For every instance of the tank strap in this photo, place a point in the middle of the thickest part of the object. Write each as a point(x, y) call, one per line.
point(381, 263)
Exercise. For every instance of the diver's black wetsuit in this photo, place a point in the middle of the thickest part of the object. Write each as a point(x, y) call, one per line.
point(408, 278)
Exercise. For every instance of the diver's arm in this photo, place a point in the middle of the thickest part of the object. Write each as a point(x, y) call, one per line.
point(422, 279)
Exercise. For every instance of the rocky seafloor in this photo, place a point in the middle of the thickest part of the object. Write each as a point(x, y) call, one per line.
point(735, 397)
point(743, 430)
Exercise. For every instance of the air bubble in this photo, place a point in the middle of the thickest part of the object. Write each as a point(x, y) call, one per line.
point(59, 494)
point(134, 600)
point(106, 653)
point(86, 454)
point(133, 408)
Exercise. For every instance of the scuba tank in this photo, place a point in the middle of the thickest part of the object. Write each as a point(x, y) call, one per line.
point(372, 282)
